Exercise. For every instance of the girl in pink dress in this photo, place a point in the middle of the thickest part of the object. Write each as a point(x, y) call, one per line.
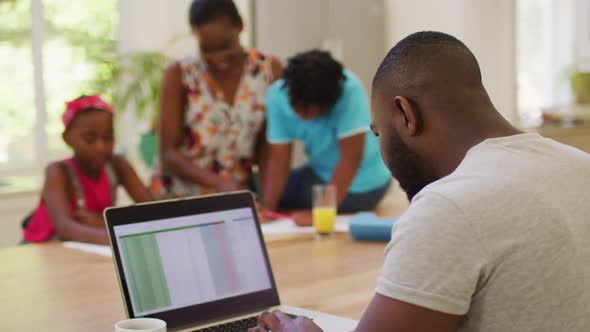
point(78, 189)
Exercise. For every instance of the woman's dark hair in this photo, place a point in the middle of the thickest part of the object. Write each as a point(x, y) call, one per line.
point(313, 78)
point(203, 11)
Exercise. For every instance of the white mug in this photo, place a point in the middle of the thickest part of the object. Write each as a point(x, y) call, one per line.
point(141, 325)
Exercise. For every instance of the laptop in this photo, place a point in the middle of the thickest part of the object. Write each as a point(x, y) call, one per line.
point(200, 264)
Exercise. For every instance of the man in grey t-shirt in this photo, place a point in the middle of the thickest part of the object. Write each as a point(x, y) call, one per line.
point(497, 235)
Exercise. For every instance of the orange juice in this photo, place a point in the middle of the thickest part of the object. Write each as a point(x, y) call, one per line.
point(323, 218)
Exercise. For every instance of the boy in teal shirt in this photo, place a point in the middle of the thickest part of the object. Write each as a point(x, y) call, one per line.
point(325, 106)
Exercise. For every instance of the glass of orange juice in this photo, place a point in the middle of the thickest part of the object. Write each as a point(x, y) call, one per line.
point(324, 208)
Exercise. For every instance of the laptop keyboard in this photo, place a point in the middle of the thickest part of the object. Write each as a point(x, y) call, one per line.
point(241, 325)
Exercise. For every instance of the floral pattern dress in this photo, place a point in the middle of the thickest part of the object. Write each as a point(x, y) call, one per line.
point(216, 135)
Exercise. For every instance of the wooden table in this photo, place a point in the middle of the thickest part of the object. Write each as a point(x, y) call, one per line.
point(52, 288)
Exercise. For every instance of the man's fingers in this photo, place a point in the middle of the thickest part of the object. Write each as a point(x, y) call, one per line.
point(269, 320)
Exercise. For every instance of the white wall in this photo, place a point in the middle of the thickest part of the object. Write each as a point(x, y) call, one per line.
point(485, 26)
point(582, 37)
point(149, 25)
point(352, 30)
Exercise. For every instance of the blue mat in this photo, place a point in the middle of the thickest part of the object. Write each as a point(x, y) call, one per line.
point(367, 226)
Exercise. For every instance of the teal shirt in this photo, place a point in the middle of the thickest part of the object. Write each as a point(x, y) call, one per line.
point(349, 116)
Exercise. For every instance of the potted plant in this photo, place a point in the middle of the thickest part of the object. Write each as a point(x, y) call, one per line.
point(133, 84)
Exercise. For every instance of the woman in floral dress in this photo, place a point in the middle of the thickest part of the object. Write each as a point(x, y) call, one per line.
point(212, 110)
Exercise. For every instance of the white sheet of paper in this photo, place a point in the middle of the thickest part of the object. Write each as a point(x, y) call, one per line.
point(288, 227)
point(277, 227)
point(90, 248)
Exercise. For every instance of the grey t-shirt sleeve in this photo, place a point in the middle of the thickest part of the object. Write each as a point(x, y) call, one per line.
point(434, 259)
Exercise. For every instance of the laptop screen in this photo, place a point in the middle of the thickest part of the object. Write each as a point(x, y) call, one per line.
point(183, 261)
point(191, 261)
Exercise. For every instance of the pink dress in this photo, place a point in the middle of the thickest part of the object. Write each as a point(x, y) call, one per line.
point(97, 197)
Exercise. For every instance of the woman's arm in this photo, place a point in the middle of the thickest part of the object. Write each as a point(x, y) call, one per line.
point(56, 195)
point(172, 101)
point(130, 181)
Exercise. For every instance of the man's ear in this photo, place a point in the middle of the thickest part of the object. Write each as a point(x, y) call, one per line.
point(407, 116)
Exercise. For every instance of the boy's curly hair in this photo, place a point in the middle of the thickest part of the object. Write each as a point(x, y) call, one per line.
point(313, 78)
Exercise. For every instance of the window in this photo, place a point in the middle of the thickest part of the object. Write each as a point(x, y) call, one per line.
point(17, 106)
point(52, 51)
point(545, 44)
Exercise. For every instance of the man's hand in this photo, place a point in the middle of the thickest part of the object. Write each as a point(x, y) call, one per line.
point(279, 322)
point(303, 218)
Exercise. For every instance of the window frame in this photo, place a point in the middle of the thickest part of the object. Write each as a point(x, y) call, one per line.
point(40, 146)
